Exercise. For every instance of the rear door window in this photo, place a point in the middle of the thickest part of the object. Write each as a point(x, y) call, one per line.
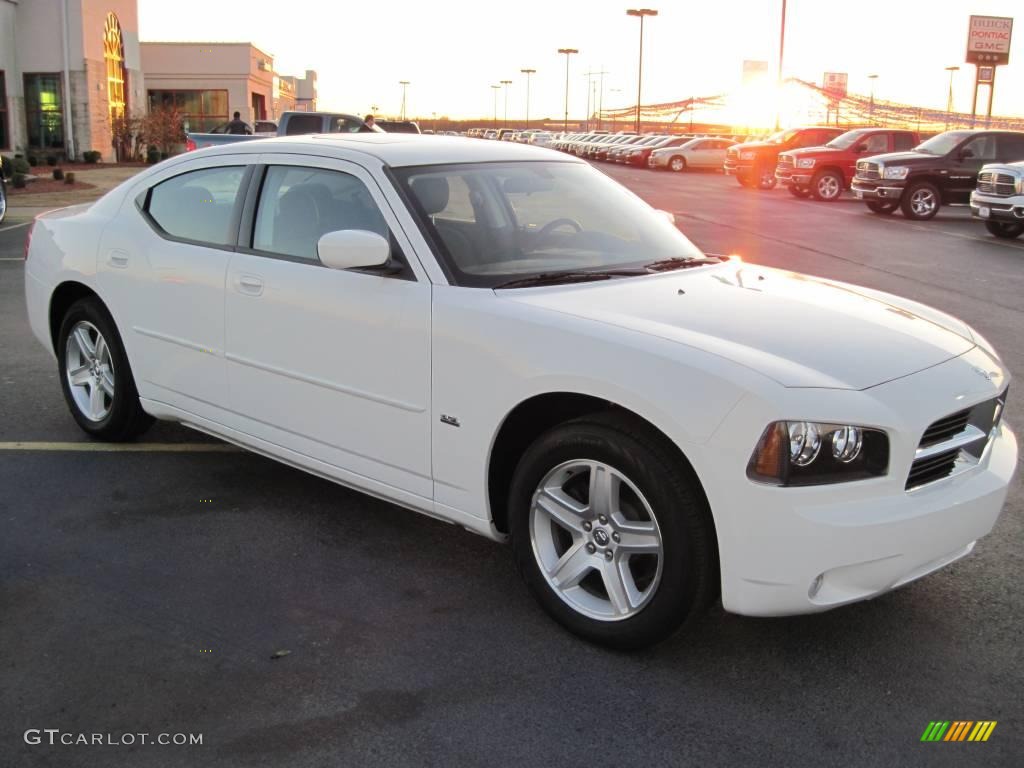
point(198, 205)
point(1011, 148)
point(301, 125)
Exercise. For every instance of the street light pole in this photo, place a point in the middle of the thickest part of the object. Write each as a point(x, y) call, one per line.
point(506, 83)
point(528, 72)
point(782, 51)
point(405, 85)
point(495, 89)
point(641, 13)
point(949, 100)
point(871, 106)
point(568, 52)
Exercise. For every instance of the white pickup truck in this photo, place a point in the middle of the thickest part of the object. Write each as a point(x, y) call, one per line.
point(998, 199)
point(290, 124)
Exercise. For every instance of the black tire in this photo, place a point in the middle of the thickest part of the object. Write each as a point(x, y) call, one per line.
point(1006, 230)
point(764, 177)
point(827, 186)
point(125, 419)
point(677, 163)
point(689, 570)
point(742, 181)
point(909, 204)
point(801, 192)
point(882, 209)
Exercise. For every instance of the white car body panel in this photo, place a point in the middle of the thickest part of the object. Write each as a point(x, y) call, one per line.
point(347, 375)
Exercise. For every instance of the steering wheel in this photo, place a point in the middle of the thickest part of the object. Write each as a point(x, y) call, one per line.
point(551, 226)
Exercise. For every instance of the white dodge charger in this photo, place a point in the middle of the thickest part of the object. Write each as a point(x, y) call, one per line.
point(499, 336)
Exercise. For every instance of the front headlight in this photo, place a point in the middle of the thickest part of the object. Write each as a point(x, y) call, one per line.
point(803, 162)
point(895, 172)
point(748, 155)
point(813, 453)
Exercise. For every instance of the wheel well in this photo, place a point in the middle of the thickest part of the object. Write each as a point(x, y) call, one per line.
point(835, 168)
point(532, 418)
point(62, 299)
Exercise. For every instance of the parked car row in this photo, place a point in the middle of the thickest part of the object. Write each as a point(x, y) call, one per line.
point(657, 151)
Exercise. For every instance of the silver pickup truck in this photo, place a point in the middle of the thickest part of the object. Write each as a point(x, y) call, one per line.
point(998, 199)
point(290, 124)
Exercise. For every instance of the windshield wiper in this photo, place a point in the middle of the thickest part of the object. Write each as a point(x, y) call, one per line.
point(681, 262)
point(554, 278)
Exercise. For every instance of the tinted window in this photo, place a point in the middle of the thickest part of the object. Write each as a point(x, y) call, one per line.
point(981, 148)
point(903, 142)
point(299, 205)
point(198, 205)
point(303, 124)
point(1011, 148)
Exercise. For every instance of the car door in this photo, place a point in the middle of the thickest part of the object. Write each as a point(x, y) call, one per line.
point(163, 271)
point(698, 154)
point(874, 144)
point(966, 162)
point(717, 151)
point(333, 365)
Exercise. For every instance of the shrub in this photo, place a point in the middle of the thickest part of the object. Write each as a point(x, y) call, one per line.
point(58, 174)
point(152, 155)
point(33, 160)
point(19, 180)
point(51, 160)
point(69, 177)
point(21, 166)
point(6, 167)
point(91, 156)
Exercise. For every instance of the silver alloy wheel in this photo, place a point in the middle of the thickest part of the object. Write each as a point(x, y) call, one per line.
point(828, 187)
point(90, 371)
point(677, 164)
point(596, 540)
point(922, 201)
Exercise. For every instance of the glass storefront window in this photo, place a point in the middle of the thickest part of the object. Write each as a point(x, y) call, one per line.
point(202, 111)
point(44, 111)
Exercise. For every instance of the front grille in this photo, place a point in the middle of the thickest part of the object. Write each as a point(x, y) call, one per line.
point(866, 170)
point(957, 440)
point(995, 183)
point(785, 162)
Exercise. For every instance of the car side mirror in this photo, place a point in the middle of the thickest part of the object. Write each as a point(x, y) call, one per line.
point(352, 249)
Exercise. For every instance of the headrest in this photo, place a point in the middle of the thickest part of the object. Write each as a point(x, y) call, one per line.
point(432, 192)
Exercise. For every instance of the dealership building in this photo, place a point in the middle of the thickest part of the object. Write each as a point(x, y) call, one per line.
point(68, 68)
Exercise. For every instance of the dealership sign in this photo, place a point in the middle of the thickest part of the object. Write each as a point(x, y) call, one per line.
point(988, 39)
point(835, 84)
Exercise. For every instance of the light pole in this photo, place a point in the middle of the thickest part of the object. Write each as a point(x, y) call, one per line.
point(782, 51)
point(405, 86)
point(495, 89)
point(568, 52)
point(528, 72)
point(640, 12)
point(506, 83)
point(949, 101)
point(871, 106)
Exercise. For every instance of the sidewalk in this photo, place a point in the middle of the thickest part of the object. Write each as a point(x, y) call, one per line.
point(24, 205)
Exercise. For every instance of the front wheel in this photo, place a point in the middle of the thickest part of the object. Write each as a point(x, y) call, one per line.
point(827, 186)
point(921, 201)
point(610, 533)
point(1007, 230)
point(765, 177)
point(795, 191)
point(882, 209)
point(677, 164)
point(95, 376)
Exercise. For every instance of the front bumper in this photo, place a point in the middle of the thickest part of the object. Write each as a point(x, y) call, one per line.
point(742, 169)
point(877, 189)
point(807, 549)
point(793, 177)
point(993, 208)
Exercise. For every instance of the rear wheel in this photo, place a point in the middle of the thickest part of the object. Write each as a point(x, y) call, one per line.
point(827, 186)
point(883, 209)
point(796, 191)
point(677, 163)
point(610, 533)
point(1005, 229)
point(95, 376)
point(921, 201)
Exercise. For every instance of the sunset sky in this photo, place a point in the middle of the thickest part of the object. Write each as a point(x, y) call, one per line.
point(453, 51)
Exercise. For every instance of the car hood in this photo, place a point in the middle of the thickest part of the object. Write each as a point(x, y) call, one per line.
point(903, 158)
point(814, 151)
point(800, 331)
point(758, 146)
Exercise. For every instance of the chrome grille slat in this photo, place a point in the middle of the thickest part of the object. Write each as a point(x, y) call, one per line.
point(995, 183)
point(868, 170)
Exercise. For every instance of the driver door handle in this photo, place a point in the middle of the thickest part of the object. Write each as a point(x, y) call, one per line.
point(250, 284)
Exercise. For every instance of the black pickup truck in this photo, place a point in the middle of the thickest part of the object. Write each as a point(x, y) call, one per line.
point(941, 171)
point(753, 164)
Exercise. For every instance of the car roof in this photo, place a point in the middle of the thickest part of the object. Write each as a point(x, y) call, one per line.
point(395, 149)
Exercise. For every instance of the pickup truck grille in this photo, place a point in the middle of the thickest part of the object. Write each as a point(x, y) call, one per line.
point(867, 170)
point(995, 183)
point(786, 162)
point(955, 442)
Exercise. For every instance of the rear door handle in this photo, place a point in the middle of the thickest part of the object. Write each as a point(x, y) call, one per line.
point(250, 284)
point(118, 259)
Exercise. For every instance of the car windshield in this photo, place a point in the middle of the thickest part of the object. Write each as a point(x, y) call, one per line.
point(845, 140)
point(781, 137)
point(942, 144)
point(499, 222)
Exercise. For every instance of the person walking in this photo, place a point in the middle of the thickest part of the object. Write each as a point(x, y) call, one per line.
point(239, 127)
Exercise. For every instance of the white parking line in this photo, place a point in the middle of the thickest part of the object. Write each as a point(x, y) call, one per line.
point(15, 226)
point(120, 447)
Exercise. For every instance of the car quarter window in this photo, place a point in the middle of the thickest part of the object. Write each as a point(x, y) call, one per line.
point(297, 206)
point(198, 205)
point(903, 142)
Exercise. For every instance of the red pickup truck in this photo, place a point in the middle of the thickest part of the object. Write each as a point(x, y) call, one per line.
point(824, 172)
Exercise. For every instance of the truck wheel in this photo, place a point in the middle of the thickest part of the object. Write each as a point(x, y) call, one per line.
point(765, 177)
point(883, 209)
point(612, 536)
point(827, 186)
point(1007, 230)
point(801, 192)
point(742, 181)
point(677, 163)
point(921, 201)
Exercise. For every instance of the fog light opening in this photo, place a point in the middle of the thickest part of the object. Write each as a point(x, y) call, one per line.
point(816, 586)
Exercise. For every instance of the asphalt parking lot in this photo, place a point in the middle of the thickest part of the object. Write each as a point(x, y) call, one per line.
point(149, 591)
